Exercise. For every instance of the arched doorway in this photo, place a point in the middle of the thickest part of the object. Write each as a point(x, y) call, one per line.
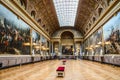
point(67, 43)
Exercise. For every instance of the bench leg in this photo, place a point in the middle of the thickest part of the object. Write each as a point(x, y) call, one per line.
point(60, 73)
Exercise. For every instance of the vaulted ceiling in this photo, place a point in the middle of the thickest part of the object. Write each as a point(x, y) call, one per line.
point(45, 10)
point(85, 10)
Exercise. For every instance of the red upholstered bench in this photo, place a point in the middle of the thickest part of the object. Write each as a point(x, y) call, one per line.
point(60, 71)
point(64, 61)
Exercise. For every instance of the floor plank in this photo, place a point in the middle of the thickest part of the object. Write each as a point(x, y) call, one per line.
point(74, 70)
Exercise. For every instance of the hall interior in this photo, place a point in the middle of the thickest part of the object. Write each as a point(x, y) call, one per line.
point(36, 36)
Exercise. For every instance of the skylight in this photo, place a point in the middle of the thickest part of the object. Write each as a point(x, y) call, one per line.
point(66, 11)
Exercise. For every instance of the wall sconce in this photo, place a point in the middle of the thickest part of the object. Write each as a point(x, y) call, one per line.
point(34, 44)
point(47, 48)
point(97, 46)
point(73, 50)
point(107, 42)
point(37, 47)
point(99, 43)
point(91, 46)
point(26, 44)
point(56, 49)
point(86, 48)
point(43, 48)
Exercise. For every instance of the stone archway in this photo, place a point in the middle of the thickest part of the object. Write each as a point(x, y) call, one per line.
point(67, 43)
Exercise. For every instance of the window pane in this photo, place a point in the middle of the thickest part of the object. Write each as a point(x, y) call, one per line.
point(66, 11)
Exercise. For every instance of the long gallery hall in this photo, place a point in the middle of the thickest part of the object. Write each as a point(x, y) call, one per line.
point(59, 39)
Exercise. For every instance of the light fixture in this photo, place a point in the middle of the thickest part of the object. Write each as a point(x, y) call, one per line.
point(37, 47)
point(87, 48)
point(99, 43)
point(26, 44)
point(96, 46)
point(107, 42)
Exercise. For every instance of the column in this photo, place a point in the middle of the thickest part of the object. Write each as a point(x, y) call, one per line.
point(49, 47)
point(31, 41)
point(52, 47)
point(74, 46)
point(60, 48)
point(40, 43)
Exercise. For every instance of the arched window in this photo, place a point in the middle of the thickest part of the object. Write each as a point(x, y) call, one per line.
point(94, 19)
point(39, 21)
point(43, 26)
point(49, 33)
point(33, 14)
point(100, 11)
point(89, 25)
point(47, 30)
point(84, 32)
point(23, 4)
point(86, 29)
point(108, 2)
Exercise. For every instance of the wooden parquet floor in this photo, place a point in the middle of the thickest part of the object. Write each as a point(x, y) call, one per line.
point(75, 70)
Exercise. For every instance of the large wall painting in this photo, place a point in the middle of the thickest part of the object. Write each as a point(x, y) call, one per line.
point(97, 41)
point(44, 41)
point(90, 45)
point(36, 43)
point(93, 43)
point(111, 32)
point(82, 49)
point(86, 47)
point(44, 46)
point(13, 33)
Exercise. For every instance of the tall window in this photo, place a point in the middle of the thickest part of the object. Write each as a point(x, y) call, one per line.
point(94, 19)
point(39, 21)
point(33, 14)
point(109, 1)
point(43, 26)
point(23, 4)
point(100, 11)
point(89, 25)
